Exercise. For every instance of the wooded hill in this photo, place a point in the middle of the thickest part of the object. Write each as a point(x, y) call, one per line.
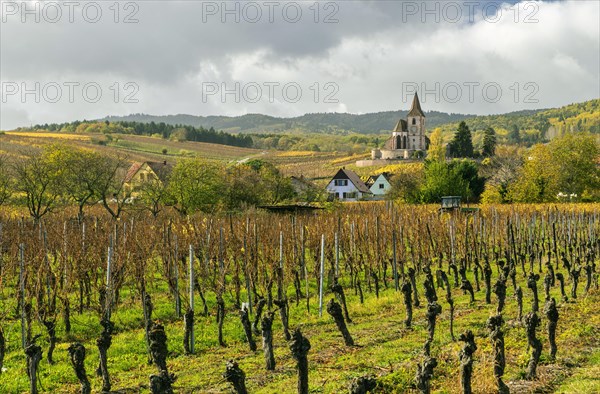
point(329, 132)
point(574, 117)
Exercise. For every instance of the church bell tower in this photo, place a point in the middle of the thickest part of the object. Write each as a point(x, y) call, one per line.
point(416, 126)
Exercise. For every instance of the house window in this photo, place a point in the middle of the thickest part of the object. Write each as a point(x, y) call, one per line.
point(349, 194)
point(381, 185)
point(340, 182)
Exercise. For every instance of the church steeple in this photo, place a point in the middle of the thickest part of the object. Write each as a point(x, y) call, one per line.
point(416, 110)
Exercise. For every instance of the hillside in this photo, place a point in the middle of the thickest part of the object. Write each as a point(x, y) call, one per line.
point(325, 123)
point(297, 142)
point(536, 126)
point(546, 122)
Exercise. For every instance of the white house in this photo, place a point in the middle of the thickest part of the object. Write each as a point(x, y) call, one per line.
point(380, 184)
point(347, 186)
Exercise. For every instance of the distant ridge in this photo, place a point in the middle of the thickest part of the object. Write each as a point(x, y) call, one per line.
point(578, 116)
point(327, 123)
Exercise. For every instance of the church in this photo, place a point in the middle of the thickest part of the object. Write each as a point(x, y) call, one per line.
point(408, 139)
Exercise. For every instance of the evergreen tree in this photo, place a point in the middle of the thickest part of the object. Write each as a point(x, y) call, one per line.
point(462, 144)
point(489, 142)
point(514, 136)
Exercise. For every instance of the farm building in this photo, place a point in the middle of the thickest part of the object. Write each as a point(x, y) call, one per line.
point(142, 172)
point(347, 186)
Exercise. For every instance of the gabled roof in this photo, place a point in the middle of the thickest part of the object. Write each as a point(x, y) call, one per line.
point(416, 110)
point(386, 175)
point(400, 126)
point(371, 180)
point(301, 183)
point(161, 169)
point(355, 179)
point(135, 167)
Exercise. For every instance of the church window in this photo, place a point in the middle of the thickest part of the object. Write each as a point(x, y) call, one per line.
point(414, 121)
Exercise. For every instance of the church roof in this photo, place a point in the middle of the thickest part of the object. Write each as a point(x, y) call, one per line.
point(400, 126)
point(416, 110)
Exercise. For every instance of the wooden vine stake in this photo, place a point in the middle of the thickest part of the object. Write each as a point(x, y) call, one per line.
point(321, 274)
point(189, 316)
point(22, 291)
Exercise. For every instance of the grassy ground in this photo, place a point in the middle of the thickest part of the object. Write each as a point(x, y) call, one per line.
point(384, 347)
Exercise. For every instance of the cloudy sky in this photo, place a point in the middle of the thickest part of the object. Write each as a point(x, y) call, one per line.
point(61, 61)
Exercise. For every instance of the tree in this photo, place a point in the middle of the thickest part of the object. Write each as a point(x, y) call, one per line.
point(83, 173)
point(462, 143)
point(39, 179)
point(467, 171)
point(196, 185)
point(489, 142)
point(576, 156)
point(153, 194)
point(437, 150)
point(538, 180)
point(514, 136)
point(109, 187)
point(244, 186)
point(406, 183)
point(439, 181)
point(5, 180)
point(501, 172)
point(566, 165)
point(456, 178)
point(277, 187)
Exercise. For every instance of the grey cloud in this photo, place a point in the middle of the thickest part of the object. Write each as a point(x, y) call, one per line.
point(368, 54)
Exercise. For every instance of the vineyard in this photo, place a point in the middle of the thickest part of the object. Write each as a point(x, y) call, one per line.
point(379, 298)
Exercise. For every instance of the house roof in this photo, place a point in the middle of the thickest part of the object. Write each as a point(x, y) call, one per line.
point(301, 183)
point(135, 167)
point(354, 178)
point(416, 110)
point(386, 175)
point(301, 179)
point(161, 169)
point(371, 180)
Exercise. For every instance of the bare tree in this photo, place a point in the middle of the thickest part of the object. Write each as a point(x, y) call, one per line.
point(110, 188)
point(5, 180)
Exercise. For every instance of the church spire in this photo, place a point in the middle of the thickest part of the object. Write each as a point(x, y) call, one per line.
point(416, 110)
